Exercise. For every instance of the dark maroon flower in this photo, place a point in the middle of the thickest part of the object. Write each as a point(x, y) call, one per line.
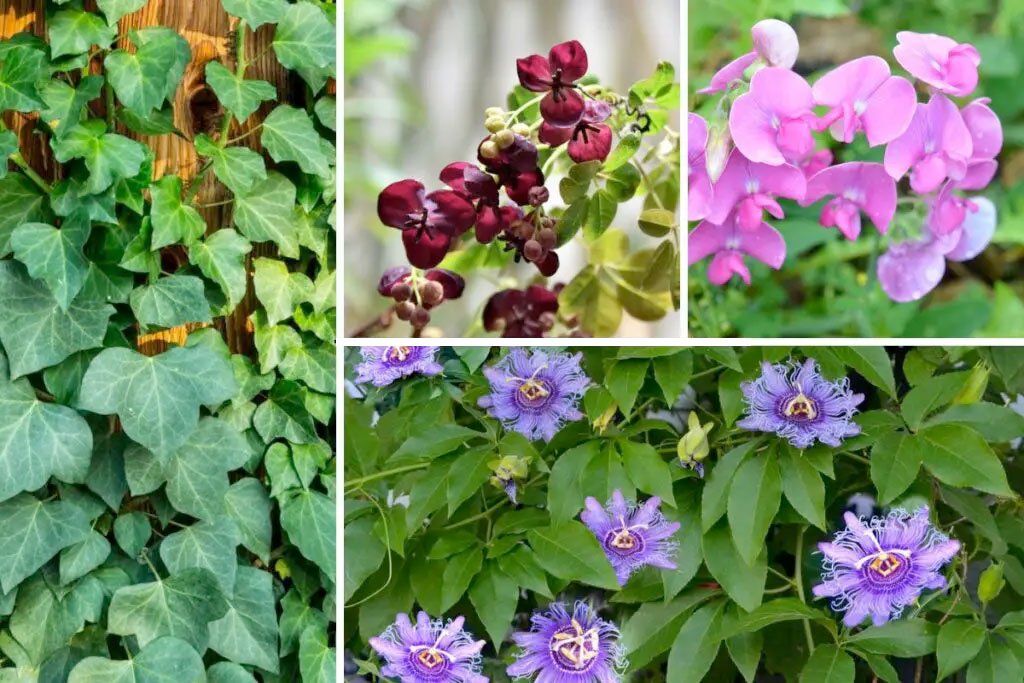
point(521, 313)
point(556, 75)
point(451, 283)
point(589, 139)
point(427, 221)
point(475, 185)
point(515, 166)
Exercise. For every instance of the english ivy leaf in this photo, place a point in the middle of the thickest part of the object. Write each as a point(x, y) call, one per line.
point(310, 520)
point(326, 110)
point(164, 660)
point(266, 214)
point(239, 168)
point(278, 290)
point(958, 456)
point(140, 78)
point(312, 365)
point(173, 221)
point(64, 103)
point(288, 135)
point(181, 606)
point(172, 300)
point(273, 342)
point(571, 552)
point(318, 662)
point(754, 497)
point(228, 672)
point(132, 532)
point(284, 415)
point(296, 616)
point(54, 256)
point(248, 504)
point(44, 619)
point(157, 397)
point(169, 39)
point(221, 257)
point(32, 531)
point(206, 544)
point(34, 330)
point(73, 31)
point(247, 633)
point(495, 596)
point(108, 156)
point(8, 146)
point(256, 12)
point(304, 37)
point(114, 10)
point(78, 560)
point(20, 69)
point(240, 96)
point(20, 202)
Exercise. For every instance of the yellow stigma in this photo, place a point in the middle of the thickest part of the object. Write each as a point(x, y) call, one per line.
point(885, 564)
point(802, 406)
point(623, 539)
point(578, 647)
point(399, 353)
point(430, 657)
point(533, 390)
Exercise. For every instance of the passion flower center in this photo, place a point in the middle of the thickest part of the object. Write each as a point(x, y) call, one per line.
point(575, 648)
point(534, 390)
point(801, 406)
point(397, 353)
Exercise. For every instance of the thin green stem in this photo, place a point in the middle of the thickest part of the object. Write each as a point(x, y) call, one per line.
point(798, 579)
point(647, 183)
point(387, 545)
point(108, 95)
point(859, 458)
point(28, 170)
point(514, 115)
point(244, 135)
point(356, 483)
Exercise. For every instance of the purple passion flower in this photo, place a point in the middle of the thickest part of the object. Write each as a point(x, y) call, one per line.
point(568, 648)
point(429, 652)
point(632, 536)
point(881, 568)
point(535, 393)
point(382, 365)
point(797, 403)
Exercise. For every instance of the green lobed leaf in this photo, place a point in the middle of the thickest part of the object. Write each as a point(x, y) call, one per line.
point(239, 168)
point(304, 37)
point(54, 256)
point(266, 214)
point(73, 31)
point(173, 221)
point(108, 156)
point(32, 531)
point(310, 520)
point(20, 202)
point(240, 96)
point(221, 258)
point(205, 544)
point(140, 78)
point(20, 70)
point(164, 660)
point(288, 135)
point(247, 633)
point(256, 12)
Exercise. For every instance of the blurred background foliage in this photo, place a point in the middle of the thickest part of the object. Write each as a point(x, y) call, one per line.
point(418, 76)
point(827, 285)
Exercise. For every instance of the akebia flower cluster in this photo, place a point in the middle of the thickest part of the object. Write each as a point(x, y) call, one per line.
point(760, 147)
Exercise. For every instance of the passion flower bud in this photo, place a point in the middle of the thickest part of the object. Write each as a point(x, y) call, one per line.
point(494, 124)
point(991, 582)
point(432, 293)
point(533, 250)
point(776, 42)
point(538, 194)
point(489, 150)
point(401, 292)
point(420, 317)
point(693, 447)
point(504, 138)
point(548, 238)
point(974, 387)
point(521, 129)
point(404, 310)
point(492, 112)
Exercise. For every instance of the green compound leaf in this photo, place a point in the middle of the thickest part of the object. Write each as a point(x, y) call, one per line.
point(73, 31)
point(247, 633)
point(221, 257)
point(288, 135)
point(140, 78)
point(157, 397)
point(239, 96)
point(266, 214)
point(256, 12)
point(304, 37)
point(32, 531)
point(165, 660)
point(64, 104)
point(108, 156)
point(239, 168)
point(170, 301)
point(310, 519)
point(210, 545)
point(20, 69)
point(54, 256)
point(34, 330)
point(173, 221)
point(181, 606)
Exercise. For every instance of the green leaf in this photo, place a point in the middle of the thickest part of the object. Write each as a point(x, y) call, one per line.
point(54, 256)
point(35, 332)
point(114, 10)
point(571, 552)
point(600, 214)
point(32, 531)
point(278, 290)
point(521, 565)
point(310, 520)
point(157, 397)
point(132, 532)
point(445, 438)
point(467, 475)
point(181, 606)
point(318, 663)
point(995, 423)
point(140, 78)
point(228, 672)
point(81, 558)
point(995, 663)
point(930, 395)
point(657, 222)
point(459, 570)
point(20, 69)
point(648, 471)
point(774, 612)
point(221, 258)
point(304, 37)
point(283, 415)
point(754, 498)
point(959, 456)
point(623, 152)
point(696, 645)
point(64, 103)
point(256, 12)
point(743, 583)
point(108, 156)
point(958, 642)
point(73, 31)
point(904, 638)
point(240, 96)
point(363, 554)
point(205, 545)
point(45, 618)
point(288, 135)
point(20, 202)
point(239, 168)
point(248, 504)
point(975, 509)
point(872, 362)
point(653, 627)
point(624, 380)
point(715, 496)
point(312, 365)
point(803, 487)
point(247, 633)
point(173, 221)
point(828, 664)
point(565, 485)
point(672, 373)
point(494, 596)
point(895, 461)
point(594, 300)
point(170, 301)
point(164, 660)
point(266, 214)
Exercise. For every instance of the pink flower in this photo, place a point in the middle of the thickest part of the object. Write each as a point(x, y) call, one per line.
point(987, 138)
point(863, 95)
point(909, 270)
point(698, 183)
point(566, 63)
point(814, 162)
point(750, 188)
point(976, 231)
point(947, 211)
point(941, 62)
point(775, 43)
point(729, 243)
point(724, 77)
point(772, 123)
point(936, 146)
point(589, 139)
point(856, 186)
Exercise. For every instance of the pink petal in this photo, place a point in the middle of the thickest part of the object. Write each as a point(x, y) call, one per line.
point(534, 73)
point(428, 250)
point(855, 80)
point(596, 111)
point(699, 192)
point(765, 244)
point(571, 58)
point(696, 136)
point(889, 111)
point(725, 265)
point(978, 175)
point(865, 183)
point(776, 42)
point(985, 129)
point(592, 145)
point(728, 73)
point(704, 240)
point(782, 92)
point(554, 135)
point(398, 200)
point(976, 231)
point(742, 177)
point(566, 110)
point(962, 70)
point(955, 137)
point(909, 270)
point(901, 153)
point(928, 174)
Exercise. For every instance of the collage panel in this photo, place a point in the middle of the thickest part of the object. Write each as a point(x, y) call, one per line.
point(855, 169)
point(671, 514)
point(512, 168)
point(167, 341)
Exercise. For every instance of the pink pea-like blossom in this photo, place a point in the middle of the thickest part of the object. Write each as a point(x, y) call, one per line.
point(775, 44)
point(729, 243)
point(936, 146)
point(699, 191)
point(909, 270)
point(864, 95)
point(751, 188)
point(771, 124)
point(814, 161)
point(855, 186)
point(987, 138)
point(976, 230)
point(939, 61)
